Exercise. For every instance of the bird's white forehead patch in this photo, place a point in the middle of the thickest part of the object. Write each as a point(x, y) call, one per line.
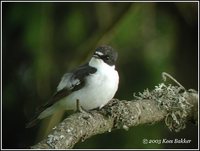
point(99, 53)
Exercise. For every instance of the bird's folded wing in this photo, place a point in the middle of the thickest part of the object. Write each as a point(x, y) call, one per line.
point(69, 83)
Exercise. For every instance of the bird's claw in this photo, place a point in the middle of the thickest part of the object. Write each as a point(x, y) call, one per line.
point(79, 108)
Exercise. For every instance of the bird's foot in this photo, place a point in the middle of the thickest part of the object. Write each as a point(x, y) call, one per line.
point(79, 108)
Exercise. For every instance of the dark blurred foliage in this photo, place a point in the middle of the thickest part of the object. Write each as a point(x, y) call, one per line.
point(42, 41)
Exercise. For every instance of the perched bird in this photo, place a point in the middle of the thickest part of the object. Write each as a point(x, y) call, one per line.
point(93, 84)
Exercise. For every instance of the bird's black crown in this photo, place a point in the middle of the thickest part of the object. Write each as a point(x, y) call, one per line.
point(107, 54)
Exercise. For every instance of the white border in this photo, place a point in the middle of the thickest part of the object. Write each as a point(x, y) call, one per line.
point(100, 1)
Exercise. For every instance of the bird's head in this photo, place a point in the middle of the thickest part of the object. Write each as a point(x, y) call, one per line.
point(107, 54)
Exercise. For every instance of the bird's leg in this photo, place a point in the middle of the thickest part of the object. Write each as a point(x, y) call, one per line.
point(79, 108)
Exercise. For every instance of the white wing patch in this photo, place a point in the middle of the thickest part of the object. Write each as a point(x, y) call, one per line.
point(68, 82)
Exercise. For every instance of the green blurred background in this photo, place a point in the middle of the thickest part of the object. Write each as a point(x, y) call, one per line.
point(42, 41)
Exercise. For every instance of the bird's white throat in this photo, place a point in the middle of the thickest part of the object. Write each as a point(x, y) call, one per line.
point(100, 64)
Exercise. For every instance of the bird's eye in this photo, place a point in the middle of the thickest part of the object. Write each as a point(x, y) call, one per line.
point(106, 57)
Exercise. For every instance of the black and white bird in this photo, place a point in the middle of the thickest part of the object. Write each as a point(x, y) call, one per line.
point(93, 85)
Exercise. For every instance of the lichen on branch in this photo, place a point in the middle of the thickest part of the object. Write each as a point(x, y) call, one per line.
point(173, 100)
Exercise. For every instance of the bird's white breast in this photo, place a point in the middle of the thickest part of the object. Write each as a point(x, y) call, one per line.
point(99, 88)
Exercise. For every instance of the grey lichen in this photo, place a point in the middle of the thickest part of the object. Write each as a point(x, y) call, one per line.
point(52, 140)
point(120, 111)
point(173, 99)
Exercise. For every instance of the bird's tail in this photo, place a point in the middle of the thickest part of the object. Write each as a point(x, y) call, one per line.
point(34, 120)
point(32, 123)
point(41, 113)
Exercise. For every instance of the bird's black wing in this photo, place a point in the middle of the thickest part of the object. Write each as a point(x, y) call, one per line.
point(70, 82)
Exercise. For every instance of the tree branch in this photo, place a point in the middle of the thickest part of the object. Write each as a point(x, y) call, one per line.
point(169, 103)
